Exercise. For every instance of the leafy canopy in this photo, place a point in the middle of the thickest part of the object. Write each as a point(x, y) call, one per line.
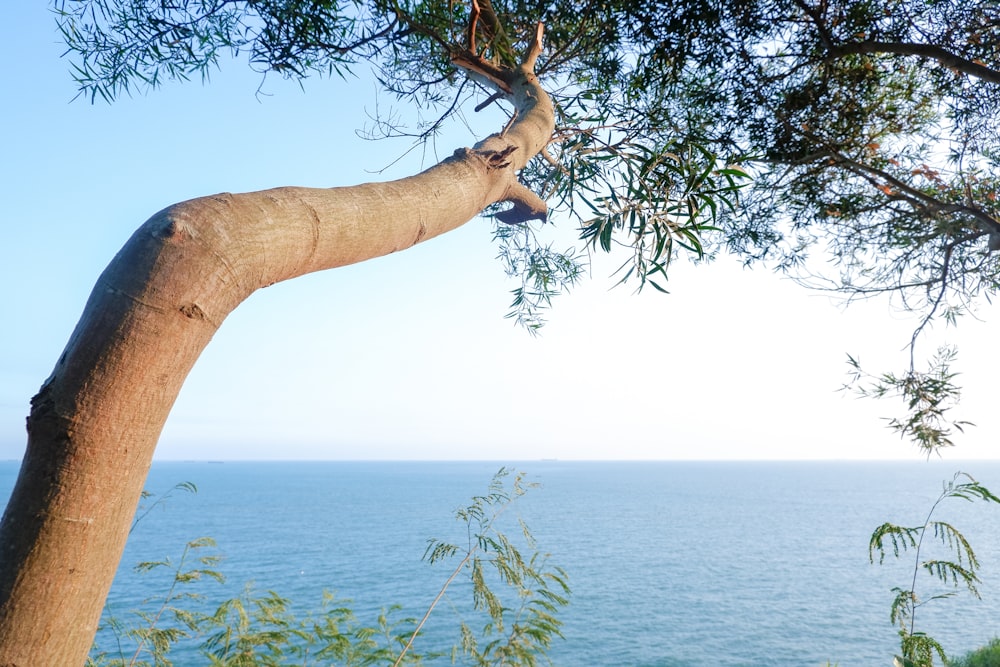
point(872, 125)
point(870, 129)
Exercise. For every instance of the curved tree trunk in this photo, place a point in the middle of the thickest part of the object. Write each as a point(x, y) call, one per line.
point(95, 422)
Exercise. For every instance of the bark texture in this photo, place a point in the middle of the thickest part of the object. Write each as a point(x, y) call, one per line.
point(96, 420)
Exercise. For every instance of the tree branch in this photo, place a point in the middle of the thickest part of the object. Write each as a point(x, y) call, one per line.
point(947, 58)
point(932, 51)
point(817, 18)
point(913, 195)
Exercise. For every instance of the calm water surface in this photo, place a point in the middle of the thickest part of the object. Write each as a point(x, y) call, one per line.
point(672, 564)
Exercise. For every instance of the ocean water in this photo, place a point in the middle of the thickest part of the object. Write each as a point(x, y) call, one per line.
point(671, 564)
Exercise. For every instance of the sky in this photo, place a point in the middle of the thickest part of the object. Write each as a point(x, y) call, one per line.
point(409, 356)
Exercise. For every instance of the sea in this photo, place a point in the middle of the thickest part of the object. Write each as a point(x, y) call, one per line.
point(670, 564)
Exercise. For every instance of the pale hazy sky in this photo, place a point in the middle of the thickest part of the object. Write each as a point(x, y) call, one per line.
point(409, 356)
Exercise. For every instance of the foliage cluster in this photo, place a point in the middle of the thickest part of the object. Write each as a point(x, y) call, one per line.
point(515, 596)
point(929, 395)
point(958, 569)
point(985, 656)
point(252, 629)
point(263, 629)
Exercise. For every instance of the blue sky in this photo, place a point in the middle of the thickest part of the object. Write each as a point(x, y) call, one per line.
point(409, 356)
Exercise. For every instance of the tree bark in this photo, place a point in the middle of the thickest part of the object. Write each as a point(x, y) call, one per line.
point(96, 420)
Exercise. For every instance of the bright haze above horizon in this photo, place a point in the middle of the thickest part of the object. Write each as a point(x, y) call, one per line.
point(409, 356)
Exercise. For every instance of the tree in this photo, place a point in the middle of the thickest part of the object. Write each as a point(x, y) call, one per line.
point(660, 112)
point(95, 422)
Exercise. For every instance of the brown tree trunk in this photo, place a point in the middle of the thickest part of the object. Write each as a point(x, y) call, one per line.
point(96, 420)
